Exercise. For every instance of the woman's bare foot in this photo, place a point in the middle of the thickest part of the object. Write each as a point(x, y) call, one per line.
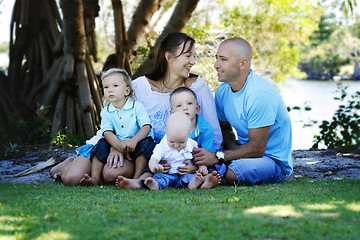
point(59, 167)
point(88, 181)
point(196, 181)
point(127, 183)
point(151, 183)
point(57, 177)
point(211, 180)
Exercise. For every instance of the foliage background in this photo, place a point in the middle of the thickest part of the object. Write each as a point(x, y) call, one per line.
point(298, 39)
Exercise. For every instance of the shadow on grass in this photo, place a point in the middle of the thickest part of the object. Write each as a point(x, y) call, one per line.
point(292, 210)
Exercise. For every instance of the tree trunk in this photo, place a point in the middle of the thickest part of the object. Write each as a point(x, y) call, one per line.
point(34, 28)
point(176, 23)
point(91, 11)
point(9, 116)
point(127, 41)
point(78, 75)
point(120, 36)
point(356, 74)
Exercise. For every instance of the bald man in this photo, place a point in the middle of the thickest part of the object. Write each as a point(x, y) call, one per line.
point(254, 108)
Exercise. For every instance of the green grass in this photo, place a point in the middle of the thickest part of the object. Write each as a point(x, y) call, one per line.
point(302, 209)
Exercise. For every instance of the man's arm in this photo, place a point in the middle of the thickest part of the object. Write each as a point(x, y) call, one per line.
point(228, 136)
point(253, 149)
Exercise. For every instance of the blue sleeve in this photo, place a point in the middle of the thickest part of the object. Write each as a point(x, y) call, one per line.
point(141, 114)
point(261, 109)
point(106, 121)
point(207, 140)
point(219, 104)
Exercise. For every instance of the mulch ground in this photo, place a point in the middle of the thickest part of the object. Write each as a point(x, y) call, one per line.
point(321, 164)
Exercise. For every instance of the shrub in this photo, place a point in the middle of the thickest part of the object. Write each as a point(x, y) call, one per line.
point(343, 131)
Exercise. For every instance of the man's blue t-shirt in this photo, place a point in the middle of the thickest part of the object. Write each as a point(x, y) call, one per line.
point(258, 104)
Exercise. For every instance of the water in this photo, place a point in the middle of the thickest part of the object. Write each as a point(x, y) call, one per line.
point(4, 60)
point(319, 95)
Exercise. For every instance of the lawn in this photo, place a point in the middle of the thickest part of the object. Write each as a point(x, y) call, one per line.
point(301, 209)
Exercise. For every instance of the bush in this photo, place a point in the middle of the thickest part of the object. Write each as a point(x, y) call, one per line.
point(324, 66)
point(343, 132)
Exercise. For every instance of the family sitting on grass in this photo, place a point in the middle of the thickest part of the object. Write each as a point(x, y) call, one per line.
point(164, 129)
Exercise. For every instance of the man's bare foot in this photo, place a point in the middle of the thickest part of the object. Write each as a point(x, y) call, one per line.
point(151, 183)
point(127, 183)
point(59, 167)
point(211, 180)
point(88, 181)
point(196, 181)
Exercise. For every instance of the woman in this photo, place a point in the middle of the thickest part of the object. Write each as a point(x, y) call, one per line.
point(175, 58)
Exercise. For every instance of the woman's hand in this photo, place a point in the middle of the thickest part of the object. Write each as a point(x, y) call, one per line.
point(115, 158)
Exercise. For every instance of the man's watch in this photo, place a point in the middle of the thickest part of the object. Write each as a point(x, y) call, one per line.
point(220, 156)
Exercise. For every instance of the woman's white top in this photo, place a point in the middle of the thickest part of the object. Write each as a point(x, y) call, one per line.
point(158, 106)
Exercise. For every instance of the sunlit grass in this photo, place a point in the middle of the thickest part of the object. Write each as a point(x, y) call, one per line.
point(302, 209)
point(275, 210)
point(354, 206)
point(54, 235)
point(319, 206)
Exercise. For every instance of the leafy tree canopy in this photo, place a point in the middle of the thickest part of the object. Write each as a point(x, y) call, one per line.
point(277, 30)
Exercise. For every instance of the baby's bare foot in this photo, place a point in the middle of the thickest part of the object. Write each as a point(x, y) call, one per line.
point(126, 183)
point(151, 183)
point(211, 180)
point(88, 181)
point(196, 181)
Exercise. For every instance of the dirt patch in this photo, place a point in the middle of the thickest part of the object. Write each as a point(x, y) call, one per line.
point(325, 164)
point(322, 164)
point(25, 157)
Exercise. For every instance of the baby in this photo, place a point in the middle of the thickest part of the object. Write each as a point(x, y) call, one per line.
point(175, 148)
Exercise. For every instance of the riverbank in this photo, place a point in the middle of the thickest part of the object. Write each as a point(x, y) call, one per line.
point(321, 164)
point(316, 103)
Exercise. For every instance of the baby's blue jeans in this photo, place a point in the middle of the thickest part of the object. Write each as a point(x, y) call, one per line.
point(172, 180)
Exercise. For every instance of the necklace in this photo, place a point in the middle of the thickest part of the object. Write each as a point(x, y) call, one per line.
point(162, 88)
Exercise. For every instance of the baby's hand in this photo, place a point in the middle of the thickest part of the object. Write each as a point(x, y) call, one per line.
point(130, 145)
point(165, 165)
point(123, 147)
point(203, 170)
point(158, 168)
